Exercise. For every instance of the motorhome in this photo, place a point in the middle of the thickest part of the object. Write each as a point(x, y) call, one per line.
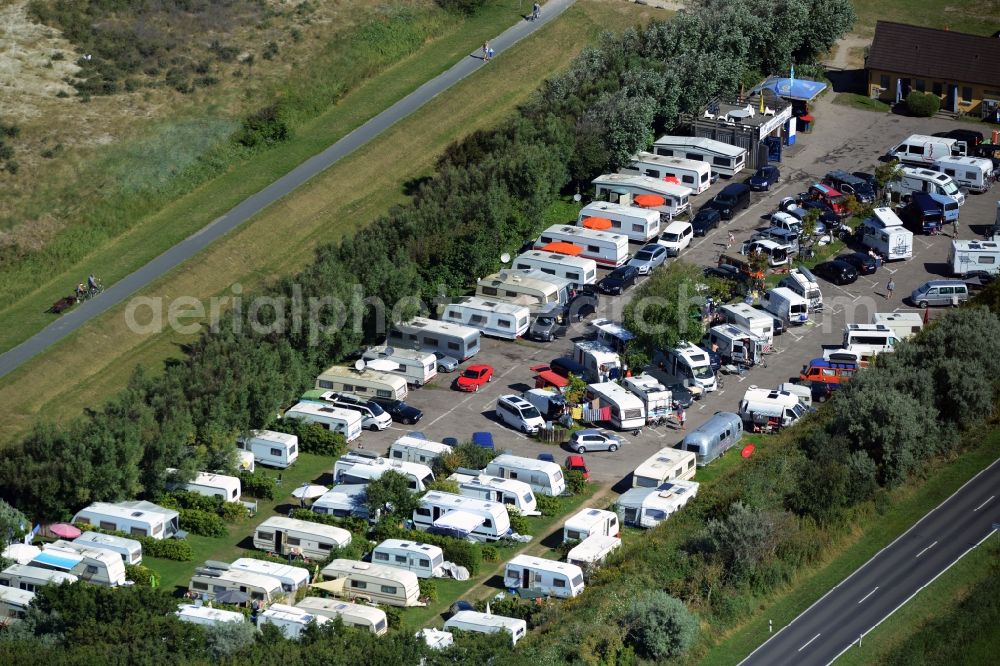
point(544, 477)
point(588, 522)
point(14, 604)
point(804, 283)
point(93, 565)
point(466, 517)
point(627, 410)
point(576, 269)
point(884, 232)
point(459, 342)
point(950, 210)
point(228, 488)
point(648, 507)
point(695, 174)
point(292, 578)
point(207, 616)
point(915, 179)
point(270, 448)
point(786, 305)
point(870, 338)
point(612, 334)
point(667, 464)
point(972, 173)
point(623, 188)
point(497, 319)
point(129, 550)
point(714, 437)
point(291, 620)
point(656, 399)
point(920, 149)
point(735, 345)
point(903, 324)
point(640, 225)
point(209, 582)
point(344, 421)
point(605, 248)
point(688, 364)
point(555, 579)
point(138, 518)
point(358, 467)
point(365, 383)
point(801, 391)
point(286, 536)
point(376, 583)
point(599, 361)
point(750, 318)
point(965, 256)
point(592, 551)
point(416, 367)
point(361, 616)
point(518, 494)
point(724, 158)
point(487, 623)
point(31, 578)
point(828, 371)
point(425, 560)
point(540, 292)
point(418, 450)
point(770, 407)
point(344, 501)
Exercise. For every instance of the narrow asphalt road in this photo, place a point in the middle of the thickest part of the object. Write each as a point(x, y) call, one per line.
point(890, 579)
point(121, 290)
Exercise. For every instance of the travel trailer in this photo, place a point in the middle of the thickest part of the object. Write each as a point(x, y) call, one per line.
point(138, 518)
point(209, 582)
point(588, 522)
point(612, 334)
point(365, 383)
point(648, 507)
point(487, 623)
point(459, 342)
point(640, 225)
point(344, 501)
point(207, 616)
point(750, 318)
point(903, 324)
point(465, 517)
point(592, 551)
point(518, 494)
point(623, 188)
point(544, 477)
point(286, 536)
point(416, 367)
point(656, 399)
point(497, 319)
point(270, 448)
point(714, 437)
point(599, 361)
point(292, 578)
point(417, 450)
point(555, 579)
point(578, 270)
point(690, 173)
point(129, 550)
point(770, 407)
point(32, 578)
point(355, 467)
point(424, 560)
point(724, 159)
point(228, 488)
point(375, 583)
point(966, 256)
point(93, 565)
point(14, 603)
point(344, 421)
point(352, 615)
point(291, 620)
point(540, 292)
point(884, 232)
point(972, 173)
point(607, 249)
point(627, 410)
point(667, 464)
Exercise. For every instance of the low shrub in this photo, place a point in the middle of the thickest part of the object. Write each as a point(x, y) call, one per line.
point(490, 554)
point(518, 523)
point(202, 523)
point(922, 105)
point(258, 485)
point(264, 128)
point(313, 438)
point(166, 549)
point(575, 481)
point(428, 589)
point(547, 505)
point(139, 574)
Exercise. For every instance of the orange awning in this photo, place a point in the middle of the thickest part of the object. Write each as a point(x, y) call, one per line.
point(598, 223)
point(562, 247)
point(649, 200)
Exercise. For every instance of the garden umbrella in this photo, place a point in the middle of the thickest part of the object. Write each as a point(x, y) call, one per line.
point(309, 491)
point(649, 200)
point(233, 597)
point(65, 531)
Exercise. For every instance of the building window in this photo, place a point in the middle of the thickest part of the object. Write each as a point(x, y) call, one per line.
point(883, 82)
point(920, 85)
point(937, 88)
point(966, 94)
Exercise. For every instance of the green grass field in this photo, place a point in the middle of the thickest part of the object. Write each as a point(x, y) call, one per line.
point(862, 102)
point(980, 17)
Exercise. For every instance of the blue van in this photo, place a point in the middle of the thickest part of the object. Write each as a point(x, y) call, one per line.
point(949, 206)
point(922, 215)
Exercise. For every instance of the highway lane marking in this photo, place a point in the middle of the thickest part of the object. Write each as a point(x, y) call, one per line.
point(926, 549)
point(868, 595)
point(808, 642)
point(984, 503)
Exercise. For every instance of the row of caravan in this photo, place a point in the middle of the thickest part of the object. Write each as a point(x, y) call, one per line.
point(291, 620)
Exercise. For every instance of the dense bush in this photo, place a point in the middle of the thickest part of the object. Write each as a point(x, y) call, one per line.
point(548, 505)
point(263, 128)
point(660, 626)
point(468, 7)
point(202, 523)
point(313, 438)
point(922, 105)
point(466, 455)
point(167, 549)
point(229, 512)
point(139, 574)
point(428, 589)
point(575, 482)
point(258, 484)
point(518, 523)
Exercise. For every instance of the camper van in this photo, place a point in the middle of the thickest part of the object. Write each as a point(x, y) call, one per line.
point(292, 578)
point(345, 421)
point(93, 565)
point(360, 467)
point(417, 450)
point(497, 319)
point(921, 150)
point(577, 269)
point(716, 436)
point(361, 616)
point(600, 362)
point(804, 283)
point(592, 551)
point(735, 345)
point(129, 550)
point(14, 604)
point(623, 188)
point(549, 402)
point(424, 560)
point(416, 367)
point(777, 254)
point(869, 338)
point(289, 619)
point(965, 256)
point(640, 225)
point(286, 536)
point(465, 517)
point(915, 179)
point(138, 518)
point(828, 371)
point(940, 292)
point(228, 488)
point(750, 318)
point(588, 522)
point(607, 249)
point(270, 448)
point(380, 584)
point(365, 383)
point(724, 159)
point(656, 399)
point(555, 579)
point(33, 578)
point(460, 342)
point(904, 325)
point(690, 173)
point(972, 173)
point(518, 494)
point(343, 501)
point(516, 412)
point(786, 305)
point(884, 232)
point(761, 407)
point(627, 410)
point(210, 581)
point(667, 464)
point(540, 292)
point(487, 623)
point(544, 477)
point(648, 507)
point(688, 364)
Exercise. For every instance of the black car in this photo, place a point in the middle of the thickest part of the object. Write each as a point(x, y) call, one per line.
point(821, 391)
point(400, 411)
point(977, 280)
point(867, 177)
point(972, 138)
point(826, 214)
point(731, 200)
point(680, 395)
point(739, 283)
point(706, 220)
point(764, 178)
point(618, 280)
point(863, 263)
point(836, 271)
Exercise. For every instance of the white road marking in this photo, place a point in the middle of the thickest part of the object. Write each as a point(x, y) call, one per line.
point(869, 594)
point(808, 642)
point(984, 503)
point(926, 549)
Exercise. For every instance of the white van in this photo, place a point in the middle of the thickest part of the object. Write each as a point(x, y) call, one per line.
point(761, 405)
point(689, 364)
point(777, 253)
point(588, 522)
point(373, 416)
point(581, 271)
point(270, 448)
point(628, 411)
point(785, 304)
point(365, 383)
point(869, 338)
point(690, 173)
point(925, 180)
point(969, 172)
point(344, 421)
point(640, 225)
point(516, 412)
point(425, 560)
point(676, 237)
point(606, 248)
point(555, 579)
point(599, 361)
point(494, 318)
point(804, 283)
point(544, 477)
point(417, 450)
point(920, 149)
point(750, 318)
point(416, 367)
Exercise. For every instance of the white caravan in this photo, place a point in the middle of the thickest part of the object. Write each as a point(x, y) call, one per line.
point(750, 318)
point(129, 550)
point(667, 464)
point(417, 450)
point(690, 173)
point(344, 501)
point(920, 149)
point(904, 324)
point(353, 615)
point(640, 225)
point(352, 579)
point(555, 579)
point(209, 582)
point(292, 578)
point(365, 383)
point(605, 248)
point(228, 488)
point(344, 421)
point(14, 604)
point(472, 483)
point(592, 551)
point(884, 233)
point(599, 361)
point(416, 367)
point(465, 517)
point(544, 477)
point(460, 342)
point(869, 339)
point(487, 623)
point(965, 256)
point(656, 399)
point(786, 305)
point(724, 158)
point(32, 578)
point(207, 616)
point(628, 411)
point(270, 448)
point(425, 560)
point(497, 319)
point(93, 565)
point(539, 292)
point(588, 522)
point(435, 638)
point(763, 406)
point(916, 179)
point(138, 518)
point(648, 507)
point(576, 269)
point(285, 536)
point(291, 620)
point(969, 172)
point(623, 188)
point(357, 468)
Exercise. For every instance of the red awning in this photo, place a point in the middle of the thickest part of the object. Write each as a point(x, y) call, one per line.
point(672, 179)
point(598, 223)
point(649, 200)
point(562, 247)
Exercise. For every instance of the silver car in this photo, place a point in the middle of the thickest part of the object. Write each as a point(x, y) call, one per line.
point(648, 258)
point(445, 363)
point(592, 439)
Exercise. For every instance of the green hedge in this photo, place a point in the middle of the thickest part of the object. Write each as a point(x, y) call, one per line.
point(202, 523)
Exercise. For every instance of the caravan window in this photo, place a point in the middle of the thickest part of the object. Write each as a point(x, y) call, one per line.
point(693, 156)
point(388, 589)
point(265, 536)
point(107, 527)
point(424, 512)
point(453, 346)
point(293, 541)
point(401, 559)
point(360, 584)
point(503, 323)
point(558, 582)
point(383, 394)
point(476, 319)
point(382, 556)
point(687, 179)
point(325, 546)
point(490, 291)
point(987, 260)
point(275, 452)
point(138, 531)
point(966, 94)
point(637, 228)
point(721, 161)
point(199, 586)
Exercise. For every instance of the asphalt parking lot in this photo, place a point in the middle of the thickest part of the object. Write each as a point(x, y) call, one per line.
point(843, 138)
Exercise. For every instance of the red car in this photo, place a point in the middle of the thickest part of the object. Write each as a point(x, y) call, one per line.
point(474, 377)
point(577, 463)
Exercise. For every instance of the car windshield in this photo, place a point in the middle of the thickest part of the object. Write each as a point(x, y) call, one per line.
point(671, 238)
point(376, 409)
point(725, 200)
point(949, 187)
point(703, 372)
point(644, 255)
point(545, 321)
point(530, 413)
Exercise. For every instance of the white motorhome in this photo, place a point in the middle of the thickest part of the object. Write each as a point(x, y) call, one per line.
point(648, 507)
point(656, 399)
point(724, 158)
point(667, 464)
point(344, 421)
point(623, 188)
point(904, 324)
point(689, 364)
point(285, 536)
point(365, 383)
point(14, 604)
point(291, 620)
point(518, 494)
point(969, 172)
point(544, 477)
point(460, 342)
point(695, 174)
point(786, 305)
point(803, 283)
point(965, 256)
point(270, 448)
point(494, 318)
point(425, 560)
point(762, 406)
point(353, 615)
point(920, 149)
point(93, 565)
point(577, 269)
point(292, 578)
point(207, 616)
point(800, 391)
point(539, 292)
point(884, 233)
point(641, 225)
point(915, 179)
point(556, 579)
point(31, 578)
point(588, 522)
point(355, 467)
point(748, 317)
point(869, 339)
point(487, 623)
point(612, 334)
point(416, 367)
point(592, 551)
point(605, 248)
point(417, 450)
point(129, 550)
point(228, 488)
point(209, 582)
point(734, 344)
point(138, 518)
point(344, 501)
point(599, 361)
point(377, 583)
point(466, 517)
point(628, 411)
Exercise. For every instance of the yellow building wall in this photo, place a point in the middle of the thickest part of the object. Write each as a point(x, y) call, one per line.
point(979, 92)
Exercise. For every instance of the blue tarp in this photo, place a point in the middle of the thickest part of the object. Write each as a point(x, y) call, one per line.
point(792, 89)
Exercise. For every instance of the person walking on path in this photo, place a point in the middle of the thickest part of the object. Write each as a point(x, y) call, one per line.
point(486, 51)
point(730, 240)
point(536, 11)
point(954, 227)
point(889, 288)
point(681, 417)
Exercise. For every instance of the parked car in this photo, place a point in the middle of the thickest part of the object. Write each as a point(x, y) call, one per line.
point(592, 439)
point(977, 280)
point(731, 200)
point(821, 391)
point(445, 363)
point(863, 263)
point(648, 257)
point(583, 303)
point(577, 464)
point(940, 292)
point(620, 279)
point(836, 271)
point(868, 177)
point(483, 440)
point(543, 329)
point(827, 217)
point(706, 220)
point(400, 411)
point(547, 457)
point(680, 395)
point(764, 178)
point(474, 377)
point(972, 138)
